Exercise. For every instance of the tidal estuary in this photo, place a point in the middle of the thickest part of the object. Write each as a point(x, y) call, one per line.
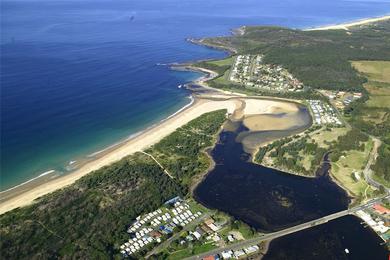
point(271, 200)
point(330, 241)
point(265, 198)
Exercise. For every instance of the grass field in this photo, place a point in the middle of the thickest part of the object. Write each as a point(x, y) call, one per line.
point(224, 62)
point(379, 94)
point(378, 89)
point(375, 116)
point(322, 137)
point(191, 251)
point(378, 85)
point(343, 169)
point(374, 70)
point(379, 101)
point(224, 79)
point(307, 159)
point(353, 161)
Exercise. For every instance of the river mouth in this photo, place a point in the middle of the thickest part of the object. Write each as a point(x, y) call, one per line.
point(265, 198)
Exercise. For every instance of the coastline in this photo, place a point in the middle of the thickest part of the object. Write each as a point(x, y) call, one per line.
point(79, 162)
point(139, 141)
point(346, 25)
point(11, 200)
point(18, 198)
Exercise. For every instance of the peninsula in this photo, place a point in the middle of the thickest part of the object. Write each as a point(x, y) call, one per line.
point(314, 97)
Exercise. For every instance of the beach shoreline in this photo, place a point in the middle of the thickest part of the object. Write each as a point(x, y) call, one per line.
point(26, 195)
point(347, 25)
point(22, 195)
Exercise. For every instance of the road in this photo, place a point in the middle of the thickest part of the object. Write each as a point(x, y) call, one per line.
point(270, 236)
point(367, 170)
point(189, 227)
point(159, 164)
point(372, 157)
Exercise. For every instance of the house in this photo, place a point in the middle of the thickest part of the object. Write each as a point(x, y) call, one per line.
point(250, 250)
point(227, 254)
point(380, 209)
point(356, 176)
point(239, 253)
point(200, 231)
point(205, 228)
point(155, 234)
point(174, 200)
point(213, 227)
point(197, 235)
point(230, 238)
point(216, 238)
point(209, 221)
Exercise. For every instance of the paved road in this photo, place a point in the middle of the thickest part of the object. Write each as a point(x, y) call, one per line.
point(269, 236)
point(367, 170)
point(189, 227)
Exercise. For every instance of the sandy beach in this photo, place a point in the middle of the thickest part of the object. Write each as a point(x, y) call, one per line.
point(218, 99)
point(138, 143)
point(346, 26)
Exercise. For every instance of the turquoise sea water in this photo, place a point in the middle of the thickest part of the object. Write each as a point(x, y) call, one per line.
point(77, 76)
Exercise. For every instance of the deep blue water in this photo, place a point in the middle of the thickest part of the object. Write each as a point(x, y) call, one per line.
point(265, 198)
point(77, 76)
point(329, 241)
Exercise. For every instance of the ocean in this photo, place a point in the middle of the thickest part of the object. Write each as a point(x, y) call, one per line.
point(78, 76)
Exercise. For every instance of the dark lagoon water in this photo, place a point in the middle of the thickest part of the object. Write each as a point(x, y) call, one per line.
point(77, 76)
point(266, 199)
point(329, 241)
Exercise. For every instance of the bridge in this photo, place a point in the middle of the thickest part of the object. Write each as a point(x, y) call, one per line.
point(263, 237)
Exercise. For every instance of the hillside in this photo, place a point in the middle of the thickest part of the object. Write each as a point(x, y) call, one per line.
point(333, 61)
point(320, 59)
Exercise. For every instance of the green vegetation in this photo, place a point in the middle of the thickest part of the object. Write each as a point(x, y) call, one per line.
point(290, 152)
point(186, 250)
point(222, 67)
point(376, 71)
point(319, 59)
point(219, 66)
point(348, 170)
point(88, 219)
point(223, 83)
point(182, 247)
point(327, 59)
point(352, 140)
point(382, 166)
point(181, 153)
point(372, 115)
point(288, 156)
point(246, 231)
point(349, 148)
